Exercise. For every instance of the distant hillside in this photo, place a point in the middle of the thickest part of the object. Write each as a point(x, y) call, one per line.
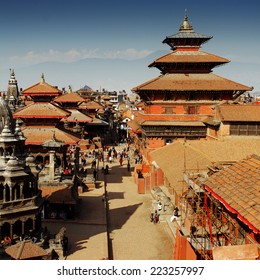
point(97, 73)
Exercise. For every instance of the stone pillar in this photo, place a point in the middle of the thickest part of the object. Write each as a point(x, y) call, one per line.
point(11, 193)
point(15, 193)
point(21, 191)
point(51, 165)
point(4, 194)
point(34, 224)
point(11, 230)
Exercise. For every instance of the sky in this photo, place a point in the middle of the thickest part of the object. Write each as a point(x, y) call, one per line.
point(34, 32)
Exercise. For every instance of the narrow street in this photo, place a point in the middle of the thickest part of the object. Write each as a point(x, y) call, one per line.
point(131, 234)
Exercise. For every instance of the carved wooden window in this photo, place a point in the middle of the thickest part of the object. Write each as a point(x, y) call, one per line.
point(244, 129)
point(168, 110)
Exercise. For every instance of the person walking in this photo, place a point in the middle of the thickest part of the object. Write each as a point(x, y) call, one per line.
point(159, 206)
point(156, 217)
point(95, 174)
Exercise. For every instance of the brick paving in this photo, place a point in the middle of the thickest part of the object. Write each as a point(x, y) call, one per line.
point(133, 236)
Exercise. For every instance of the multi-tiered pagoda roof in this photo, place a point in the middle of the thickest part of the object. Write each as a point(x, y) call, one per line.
point(185, 95)
point(187, 68)
point(42, 117)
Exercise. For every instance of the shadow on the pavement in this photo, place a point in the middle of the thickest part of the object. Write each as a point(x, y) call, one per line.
point(119, 216)
point(117, 173)
point(91, 222)
point(116, 195)
point(91, 209)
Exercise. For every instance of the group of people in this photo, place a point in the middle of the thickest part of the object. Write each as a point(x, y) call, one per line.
point(155, 217)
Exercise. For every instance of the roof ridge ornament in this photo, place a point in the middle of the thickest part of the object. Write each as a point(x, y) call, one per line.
point(42, 81)
point(186, 26)
point(12, 76)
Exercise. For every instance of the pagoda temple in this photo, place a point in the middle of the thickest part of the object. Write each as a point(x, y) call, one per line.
point(41, 123)
point(179, 102)
point(71, 101)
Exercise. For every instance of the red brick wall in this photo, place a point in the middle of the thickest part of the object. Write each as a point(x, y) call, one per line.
point(141, 185)
point(183, 249)
point(153, 179)
point(160, 177)
point(147, 180)
point(154, 143)
point(145, 168)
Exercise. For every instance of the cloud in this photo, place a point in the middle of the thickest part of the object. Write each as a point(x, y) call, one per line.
point(33, 57)
point(127, 54)
point(72, 55)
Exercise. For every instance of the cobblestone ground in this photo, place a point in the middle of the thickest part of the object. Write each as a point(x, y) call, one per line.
point(133, 236)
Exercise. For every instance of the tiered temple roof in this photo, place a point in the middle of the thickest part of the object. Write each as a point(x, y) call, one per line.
point(70, 97)
point(77, 117)
point(41, 110)
point(191, 82)
point(186, 37)
point(71, 101)
point(187, 68)
point(42, 89)
point(49, 113)
point(185, 94)
point(40, 135)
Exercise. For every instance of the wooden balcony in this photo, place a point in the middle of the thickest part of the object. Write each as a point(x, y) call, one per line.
point(175, 131)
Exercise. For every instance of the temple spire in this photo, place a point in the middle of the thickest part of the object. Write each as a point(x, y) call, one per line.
point(13, 95)
point(186, 26)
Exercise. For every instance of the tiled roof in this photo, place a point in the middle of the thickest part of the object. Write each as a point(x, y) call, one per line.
point(69, 97)
point(58, 194)
point(39, 135)
point(41, 110)
point(174, 158)
point(239, 187)
point(77, 116)
point(25, 249)
point(97, 121)
point(236, 252)
point(239, 112)
point(180, 82)
point(188, 35)
point(190, 56)
point(171, 159)
point(93, 105)
point(134, 126)
point(42, 89)
point(140, 104)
